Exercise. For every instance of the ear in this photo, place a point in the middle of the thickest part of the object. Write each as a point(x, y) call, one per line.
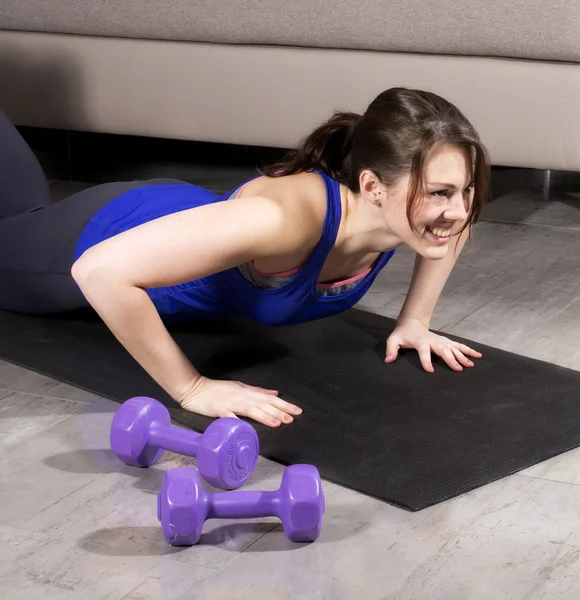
point(371, 188)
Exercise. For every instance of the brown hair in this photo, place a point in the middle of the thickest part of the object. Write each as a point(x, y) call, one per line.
point(392, 138)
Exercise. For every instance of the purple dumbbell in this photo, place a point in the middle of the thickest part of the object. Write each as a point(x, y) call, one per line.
point(183, 505)
point(226, 452)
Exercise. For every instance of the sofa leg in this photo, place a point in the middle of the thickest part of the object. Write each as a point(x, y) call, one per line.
point(546, 188)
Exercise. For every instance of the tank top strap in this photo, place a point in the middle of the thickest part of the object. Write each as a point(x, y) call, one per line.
point(331, 222)
point(331, 225)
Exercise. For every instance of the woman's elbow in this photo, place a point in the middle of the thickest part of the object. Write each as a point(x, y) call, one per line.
point(89, 273)
point(79, 270)
point(82, 269)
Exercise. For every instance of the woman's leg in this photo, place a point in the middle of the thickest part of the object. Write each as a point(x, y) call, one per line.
point(37, 238)
point(23, 186)
point(37, 249)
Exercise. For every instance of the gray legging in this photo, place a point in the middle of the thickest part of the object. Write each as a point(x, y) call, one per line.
point(37, 238)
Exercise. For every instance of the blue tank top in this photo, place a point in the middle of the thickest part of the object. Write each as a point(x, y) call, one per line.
point(229, 293)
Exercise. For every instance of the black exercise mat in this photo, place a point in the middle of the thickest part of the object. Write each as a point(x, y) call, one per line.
point(394, 432)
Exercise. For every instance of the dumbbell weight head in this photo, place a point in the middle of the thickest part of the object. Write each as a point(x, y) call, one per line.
point(130, 431)
point(183, 505)
point(302, 503)
point(227, 452)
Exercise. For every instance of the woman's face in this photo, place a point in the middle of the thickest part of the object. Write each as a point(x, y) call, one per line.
point(441, 208)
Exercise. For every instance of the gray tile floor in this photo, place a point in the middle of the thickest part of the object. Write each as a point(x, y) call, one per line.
point(74, 523)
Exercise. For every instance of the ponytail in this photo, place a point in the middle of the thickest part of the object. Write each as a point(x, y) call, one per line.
point(327, 148)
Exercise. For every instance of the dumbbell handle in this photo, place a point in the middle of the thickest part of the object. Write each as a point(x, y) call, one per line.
point(243, 505)
point(175, 439)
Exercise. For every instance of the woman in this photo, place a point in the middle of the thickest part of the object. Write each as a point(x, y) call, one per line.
point(303, 240)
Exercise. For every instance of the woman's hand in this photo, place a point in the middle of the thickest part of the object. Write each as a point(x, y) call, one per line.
point(217, 398)
point(412, 333)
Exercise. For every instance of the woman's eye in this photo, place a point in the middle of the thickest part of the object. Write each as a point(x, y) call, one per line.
point(439, 193)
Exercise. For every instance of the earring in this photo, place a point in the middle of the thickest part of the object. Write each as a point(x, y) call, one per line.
point(376, 203)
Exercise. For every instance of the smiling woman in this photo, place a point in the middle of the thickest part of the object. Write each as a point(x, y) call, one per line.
point(305, 239)
point(445, 203)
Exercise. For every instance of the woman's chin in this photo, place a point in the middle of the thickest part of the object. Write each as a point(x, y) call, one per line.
point(433, 247)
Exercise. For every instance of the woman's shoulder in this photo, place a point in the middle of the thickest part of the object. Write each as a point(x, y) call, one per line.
point(302, 197)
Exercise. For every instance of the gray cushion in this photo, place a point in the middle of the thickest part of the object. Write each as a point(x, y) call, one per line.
point(533, 29)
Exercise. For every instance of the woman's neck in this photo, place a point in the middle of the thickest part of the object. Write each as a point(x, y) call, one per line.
point(362, 228)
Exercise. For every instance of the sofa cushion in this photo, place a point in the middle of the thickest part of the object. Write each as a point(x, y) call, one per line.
point(530, 29)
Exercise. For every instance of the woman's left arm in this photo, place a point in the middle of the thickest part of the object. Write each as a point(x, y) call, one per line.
point(412, 330)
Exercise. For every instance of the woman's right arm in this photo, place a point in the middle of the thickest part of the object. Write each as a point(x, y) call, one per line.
point(171, 250)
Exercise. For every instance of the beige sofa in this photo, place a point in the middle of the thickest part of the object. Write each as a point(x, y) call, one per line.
point(263, 73)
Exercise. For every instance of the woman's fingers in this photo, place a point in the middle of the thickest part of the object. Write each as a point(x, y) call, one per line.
point(467, 350)
point(461, 358)
point(424, 351)
point(254, 411)
point(277, 416)
point(285, 406)
point(267, 408)
point(447, 354)
point(278, 409)
point(393, 345)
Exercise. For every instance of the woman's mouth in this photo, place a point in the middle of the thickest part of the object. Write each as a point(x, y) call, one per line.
point(439, 234)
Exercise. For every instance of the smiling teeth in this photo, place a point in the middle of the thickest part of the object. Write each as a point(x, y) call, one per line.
point(440, 232)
